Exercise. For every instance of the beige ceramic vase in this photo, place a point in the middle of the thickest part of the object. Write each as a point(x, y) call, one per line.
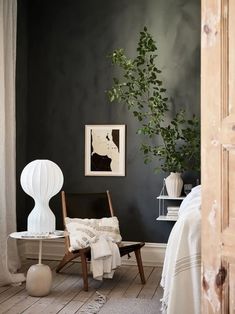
point(174, 184)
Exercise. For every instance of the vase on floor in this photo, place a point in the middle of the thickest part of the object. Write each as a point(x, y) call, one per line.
point(174, 184)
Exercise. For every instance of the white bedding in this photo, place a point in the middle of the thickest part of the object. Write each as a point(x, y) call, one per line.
point(182, 264)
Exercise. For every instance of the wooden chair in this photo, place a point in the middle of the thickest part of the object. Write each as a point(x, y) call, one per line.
point(92, 205)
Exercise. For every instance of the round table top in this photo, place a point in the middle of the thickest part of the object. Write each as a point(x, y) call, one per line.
point(30, 236)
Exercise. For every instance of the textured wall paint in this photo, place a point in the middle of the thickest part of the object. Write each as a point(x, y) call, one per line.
point(68, 73)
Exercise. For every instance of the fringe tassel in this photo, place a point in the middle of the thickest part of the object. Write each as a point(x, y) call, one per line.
point(95, 305)
point(164, 306)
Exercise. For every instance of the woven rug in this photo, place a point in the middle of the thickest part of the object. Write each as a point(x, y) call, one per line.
point(102, 305)
point(130, 306)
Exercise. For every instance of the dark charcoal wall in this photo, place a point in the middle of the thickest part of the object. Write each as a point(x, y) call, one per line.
point(67, 73)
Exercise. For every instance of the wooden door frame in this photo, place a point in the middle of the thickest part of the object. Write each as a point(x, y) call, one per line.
point(216, 62)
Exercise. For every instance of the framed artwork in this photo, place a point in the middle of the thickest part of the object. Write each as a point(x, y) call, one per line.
point(105, 150)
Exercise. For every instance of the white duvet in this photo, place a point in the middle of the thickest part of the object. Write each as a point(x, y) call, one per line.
point(182, 264)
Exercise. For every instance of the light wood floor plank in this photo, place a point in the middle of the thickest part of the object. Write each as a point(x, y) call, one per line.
point(152, 284)
point(63, 298)
point(57, 290)
point(67, 295)
point(21, 300)
point(27, 300)
point(158, 293)
point(109, 284)
point(9, 293)
point(120, 289)
point(71, 308)
point(4, 288)
point(86, 296)
point(136, 286)
point(21, 306)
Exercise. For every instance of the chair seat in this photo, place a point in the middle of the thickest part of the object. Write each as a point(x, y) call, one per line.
point(124, 249)
point(129, 248)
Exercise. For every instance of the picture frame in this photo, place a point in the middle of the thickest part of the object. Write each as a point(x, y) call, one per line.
point(105, 150)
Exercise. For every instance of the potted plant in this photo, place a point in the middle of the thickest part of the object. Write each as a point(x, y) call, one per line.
point(140, 88)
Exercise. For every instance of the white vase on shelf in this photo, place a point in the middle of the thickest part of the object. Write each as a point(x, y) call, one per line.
point(174, 184)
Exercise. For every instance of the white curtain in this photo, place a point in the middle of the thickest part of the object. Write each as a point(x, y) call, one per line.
point(9, 260)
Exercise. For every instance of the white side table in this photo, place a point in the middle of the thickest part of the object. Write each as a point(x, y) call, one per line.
point(39, 276)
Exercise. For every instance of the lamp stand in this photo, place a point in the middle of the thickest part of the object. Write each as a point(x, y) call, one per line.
point(39, 277)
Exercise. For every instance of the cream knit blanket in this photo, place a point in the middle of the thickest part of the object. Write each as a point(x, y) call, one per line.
point(105, 257)
point(181, 269)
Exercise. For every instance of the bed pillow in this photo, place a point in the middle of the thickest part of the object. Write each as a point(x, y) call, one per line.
point(82, 231)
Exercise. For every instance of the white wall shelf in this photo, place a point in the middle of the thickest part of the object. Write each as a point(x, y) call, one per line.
point(167, 197)
point(165, 218)
point(162, 198)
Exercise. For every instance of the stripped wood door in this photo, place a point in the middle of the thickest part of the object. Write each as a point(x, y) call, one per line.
point(218, 155)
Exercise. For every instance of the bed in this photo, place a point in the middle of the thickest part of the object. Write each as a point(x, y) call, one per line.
point(182, 265)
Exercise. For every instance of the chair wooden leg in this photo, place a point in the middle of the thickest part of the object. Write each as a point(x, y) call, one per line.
point(84, 272)
point(140, 265)
point(66, 259)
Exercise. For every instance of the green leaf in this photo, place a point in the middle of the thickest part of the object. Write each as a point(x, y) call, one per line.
point(139, 86)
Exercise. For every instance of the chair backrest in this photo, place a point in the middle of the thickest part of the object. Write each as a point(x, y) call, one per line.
point(87, 205)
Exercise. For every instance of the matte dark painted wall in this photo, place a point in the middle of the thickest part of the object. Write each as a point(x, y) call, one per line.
point(63, 70)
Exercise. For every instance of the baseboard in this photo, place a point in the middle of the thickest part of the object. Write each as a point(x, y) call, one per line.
point(152, 253)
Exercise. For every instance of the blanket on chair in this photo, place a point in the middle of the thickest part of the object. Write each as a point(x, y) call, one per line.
point(181, 269)
point(105, 257)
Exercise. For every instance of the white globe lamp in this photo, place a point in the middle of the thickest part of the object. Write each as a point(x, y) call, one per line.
point(41, 179)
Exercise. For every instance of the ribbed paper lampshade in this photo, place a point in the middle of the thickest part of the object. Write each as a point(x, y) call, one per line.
point(41, 179)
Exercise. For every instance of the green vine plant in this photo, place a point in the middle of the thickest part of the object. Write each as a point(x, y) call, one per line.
point(140, 88)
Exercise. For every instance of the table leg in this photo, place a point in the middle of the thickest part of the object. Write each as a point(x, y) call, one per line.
point(40, 252)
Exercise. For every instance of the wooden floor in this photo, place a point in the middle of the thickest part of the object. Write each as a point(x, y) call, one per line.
point(67, 295)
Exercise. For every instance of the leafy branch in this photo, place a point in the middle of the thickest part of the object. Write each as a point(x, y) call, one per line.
point(141, 89)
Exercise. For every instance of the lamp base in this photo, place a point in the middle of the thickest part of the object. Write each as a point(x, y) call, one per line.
point(41, 219)
point(39, 280)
